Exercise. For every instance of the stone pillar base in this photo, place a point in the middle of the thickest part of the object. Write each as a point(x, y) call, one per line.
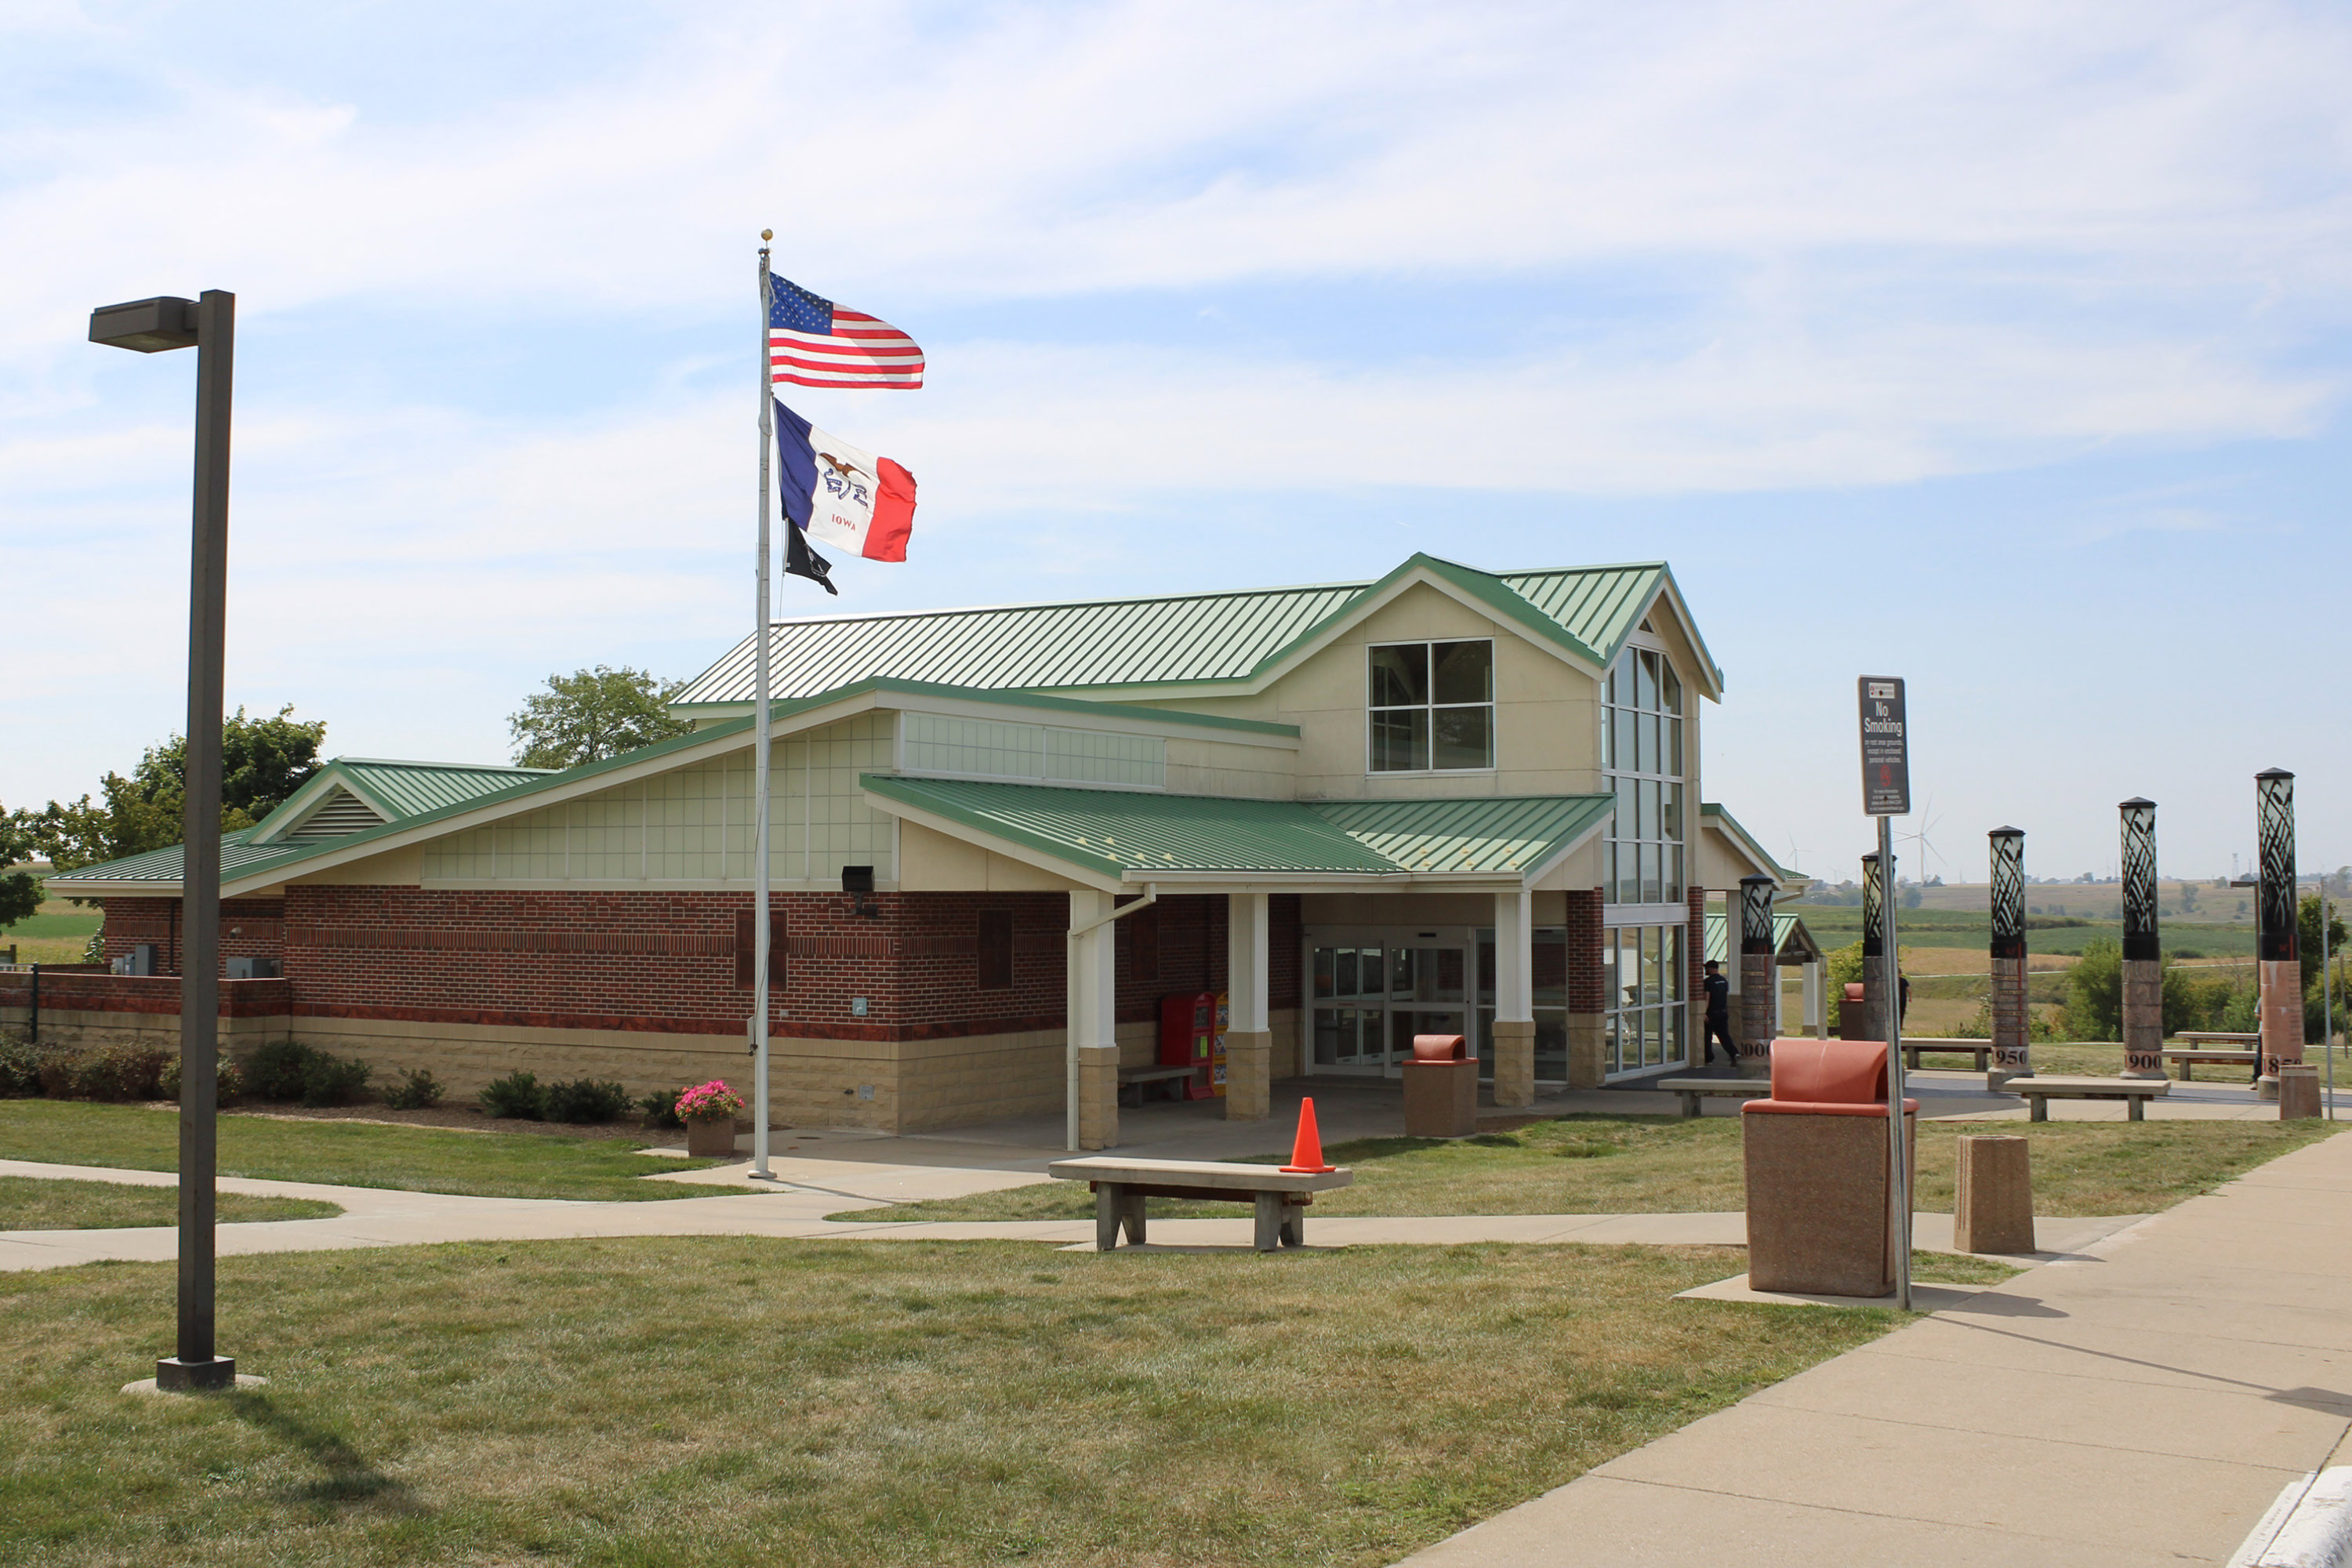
point(2298, 1092)
point(2143, 1018)
point(1515, 1062)
point(1753, 1020)
point(1098, 1096)
point(2281, 1020)
point(1994, 1210)
point(2012, 1024)
point(1588, 1055)
point(1249, 1074)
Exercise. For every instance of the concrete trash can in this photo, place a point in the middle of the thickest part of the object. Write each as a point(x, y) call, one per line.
point(1820, 1171)
point(1441, 1087)
point(1855, 1022)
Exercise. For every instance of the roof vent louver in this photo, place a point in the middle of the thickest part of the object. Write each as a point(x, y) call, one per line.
point(340, 813)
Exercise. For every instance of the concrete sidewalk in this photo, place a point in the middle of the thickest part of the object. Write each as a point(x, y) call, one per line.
point(376, 1217)
point(2142, 1404)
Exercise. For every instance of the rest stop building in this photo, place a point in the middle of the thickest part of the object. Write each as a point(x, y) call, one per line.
point(1447, 801)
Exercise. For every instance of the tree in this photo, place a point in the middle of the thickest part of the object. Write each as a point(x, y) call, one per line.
point(20, 897)
point(2094, 991)
point(591, 714)
point(263, 761)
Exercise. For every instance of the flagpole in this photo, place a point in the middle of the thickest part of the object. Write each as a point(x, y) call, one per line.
point(761, 919)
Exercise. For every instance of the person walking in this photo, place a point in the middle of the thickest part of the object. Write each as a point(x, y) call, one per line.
point(1719, 1015)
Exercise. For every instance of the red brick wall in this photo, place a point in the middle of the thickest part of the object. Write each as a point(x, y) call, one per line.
point(85, 991)
point(1585, 990)
point(249, 928)
point(665, 961)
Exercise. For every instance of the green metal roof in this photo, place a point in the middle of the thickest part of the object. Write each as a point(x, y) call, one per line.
point(1178, 641)
point(1784, 927)
point(1116, 832)
point(241, 859)
point(411, 789)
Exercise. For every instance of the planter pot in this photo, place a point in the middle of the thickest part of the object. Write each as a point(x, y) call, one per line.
point(714, 1139)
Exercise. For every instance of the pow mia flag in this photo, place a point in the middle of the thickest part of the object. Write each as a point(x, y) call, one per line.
point(800, 561)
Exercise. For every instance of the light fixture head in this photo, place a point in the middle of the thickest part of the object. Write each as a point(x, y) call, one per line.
point(150, 326)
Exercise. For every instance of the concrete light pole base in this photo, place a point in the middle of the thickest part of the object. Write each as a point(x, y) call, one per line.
point(173, 1375)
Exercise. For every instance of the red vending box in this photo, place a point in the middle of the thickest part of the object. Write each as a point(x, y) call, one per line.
point(1188, 1038)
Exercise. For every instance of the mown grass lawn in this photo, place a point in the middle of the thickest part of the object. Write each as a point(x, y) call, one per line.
point(501, 1164)
point(726, 1401)
point(1649, 1164)
point(39, 1203)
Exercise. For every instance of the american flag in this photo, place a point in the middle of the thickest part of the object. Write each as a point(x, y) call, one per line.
point(814, 342)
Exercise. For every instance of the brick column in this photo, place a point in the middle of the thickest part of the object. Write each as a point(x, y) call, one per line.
point(2277, 941)
point(2143, 961)
point(1758, 981)
point(2012, 1053)
point(1249, 1042)
point(1588, 1018)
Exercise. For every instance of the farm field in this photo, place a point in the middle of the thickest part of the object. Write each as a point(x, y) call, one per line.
point(55, 933)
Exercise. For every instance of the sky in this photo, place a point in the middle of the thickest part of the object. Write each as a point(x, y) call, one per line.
point(2002, 347)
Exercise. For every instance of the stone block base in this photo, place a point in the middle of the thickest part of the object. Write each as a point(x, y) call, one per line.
point(1249, 1075)
point(1441, 1099)
point(1818, 1209)
point(1588, 1039)
point(1097, 1097)
point(2298, 1093)
point(1994, 1210)
point(2280, 1019)
point(2143, 1018)
point(1515, 1062)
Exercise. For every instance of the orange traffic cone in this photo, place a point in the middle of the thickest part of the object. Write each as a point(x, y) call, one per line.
point(1307, 1149)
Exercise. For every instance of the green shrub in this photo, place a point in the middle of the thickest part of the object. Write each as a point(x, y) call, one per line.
point(110, 1072)
point(585, 1100)
point(20, 1065)
point(277, 1070)
point(660, 1108)
point(416, 1090)
point(517, 1094)
point(229, 1080)
point(333, 1081)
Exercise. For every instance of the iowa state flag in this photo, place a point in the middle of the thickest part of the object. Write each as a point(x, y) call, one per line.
point(843, 494)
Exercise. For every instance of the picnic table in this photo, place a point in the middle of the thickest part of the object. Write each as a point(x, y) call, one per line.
point(1280, 1197)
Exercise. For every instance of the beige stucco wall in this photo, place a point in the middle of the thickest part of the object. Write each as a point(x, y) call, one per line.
point(932, 862)
point(1232, 768)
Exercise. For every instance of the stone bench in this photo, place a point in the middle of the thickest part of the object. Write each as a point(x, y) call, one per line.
point(2039, 1092)
point(1120, 1186)
point(1981, 1049)
point(2188, 1058)
point(1690, 1090)
point(1140, 1079)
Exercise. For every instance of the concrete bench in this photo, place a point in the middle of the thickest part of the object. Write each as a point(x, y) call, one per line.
point(1140, 1079)
point(2040, 1091)
point(1981, 1049)
point(2188, 1058)
point(1690, 1090)
point(1120, 1186)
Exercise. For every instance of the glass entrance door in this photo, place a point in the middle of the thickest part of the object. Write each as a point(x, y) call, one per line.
point(1375, 989)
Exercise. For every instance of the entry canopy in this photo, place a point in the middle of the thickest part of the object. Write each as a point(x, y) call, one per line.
point(1117, 835)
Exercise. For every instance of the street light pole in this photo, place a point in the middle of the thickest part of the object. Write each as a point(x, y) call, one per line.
point(149, 326)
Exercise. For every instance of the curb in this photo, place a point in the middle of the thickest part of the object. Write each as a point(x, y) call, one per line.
point(2310, 1526)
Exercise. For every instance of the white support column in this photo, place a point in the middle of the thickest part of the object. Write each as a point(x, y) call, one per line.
point(1514, 999)
point(1249, 1037)
point(1090, 1003)
point(1816, 1018)
point(1780, 1003)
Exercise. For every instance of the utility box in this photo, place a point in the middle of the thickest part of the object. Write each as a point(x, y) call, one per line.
point(140, 960)
point(1441, 1087)
point(246, 967)
point(1821, 1169)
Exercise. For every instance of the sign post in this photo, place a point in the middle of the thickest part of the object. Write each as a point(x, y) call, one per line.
point(1887, 794)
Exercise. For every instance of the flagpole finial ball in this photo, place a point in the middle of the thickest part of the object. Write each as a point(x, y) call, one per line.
point(767, 234)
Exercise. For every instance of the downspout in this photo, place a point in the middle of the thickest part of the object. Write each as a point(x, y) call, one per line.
point(1070, 1007)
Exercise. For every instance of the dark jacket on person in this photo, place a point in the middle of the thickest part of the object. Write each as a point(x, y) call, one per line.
point(1718, 996)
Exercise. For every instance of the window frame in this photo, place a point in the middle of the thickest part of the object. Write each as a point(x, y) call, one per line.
point(1429, 707)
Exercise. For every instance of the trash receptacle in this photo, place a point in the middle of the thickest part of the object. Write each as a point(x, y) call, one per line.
point(1855, 1022)
point(1820, 1207)
point(1441, 1087)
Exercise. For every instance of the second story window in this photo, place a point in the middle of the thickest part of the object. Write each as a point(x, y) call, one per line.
point(1431, 706)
